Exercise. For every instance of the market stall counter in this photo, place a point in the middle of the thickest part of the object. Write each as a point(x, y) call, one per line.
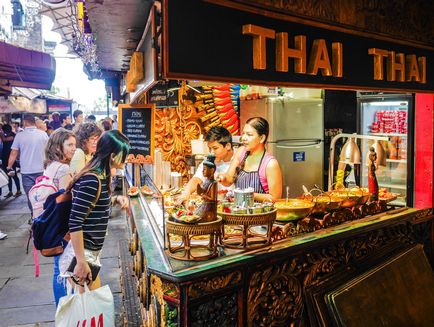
point(284, 283)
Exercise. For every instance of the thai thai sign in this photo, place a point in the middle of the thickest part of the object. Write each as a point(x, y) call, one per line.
point(208, 41)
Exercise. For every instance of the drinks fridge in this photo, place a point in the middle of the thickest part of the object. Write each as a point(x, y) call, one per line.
point(295, 139)
point(389, 115)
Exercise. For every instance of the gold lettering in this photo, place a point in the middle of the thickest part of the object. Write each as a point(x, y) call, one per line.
point(319, 59)
point(412, 69)
point(396, 67)
point(378, 54)
point(337, 59)
point(422, 69)
point(260, 36)
point(283, 53)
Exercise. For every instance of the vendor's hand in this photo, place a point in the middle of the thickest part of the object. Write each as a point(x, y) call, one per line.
point(82, 273)
point(220, 177)
point(122, 201)
point(182, 199)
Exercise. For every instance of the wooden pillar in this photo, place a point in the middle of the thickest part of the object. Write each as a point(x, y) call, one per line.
point(424, 163)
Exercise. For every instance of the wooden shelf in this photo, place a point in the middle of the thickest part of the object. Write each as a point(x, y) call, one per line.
point(389, 185)
point(388, 134)
point(397, 160)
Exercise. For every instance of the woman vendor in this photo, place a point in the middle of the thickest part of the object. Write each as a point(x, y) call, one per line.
point(253, 166)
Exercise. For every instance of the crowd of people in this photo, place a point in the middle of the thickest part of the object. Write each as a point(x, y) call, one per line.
point(79, 156)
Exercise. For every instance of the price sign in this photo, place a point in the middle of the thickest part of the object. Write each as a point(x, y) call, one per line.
point(137, 123)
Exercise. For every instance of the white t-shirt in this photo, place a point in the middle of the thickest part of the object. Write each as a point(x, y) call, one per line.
point(31, 144)
point(221, 168)
point(56, 171)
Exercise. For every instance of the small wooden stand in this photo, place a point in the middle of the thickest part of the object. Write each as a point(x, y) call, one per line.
point(187, 250)
point(248, 239)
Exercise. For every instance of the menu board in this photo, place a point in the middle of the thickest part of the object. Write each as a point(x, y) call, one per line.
point(163, 95)
point(137, 123)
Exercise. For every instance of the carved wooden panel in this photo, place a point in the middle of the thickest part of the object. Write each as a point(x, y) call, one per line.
point(275, 294)
point(405, 19)
point(221, 312)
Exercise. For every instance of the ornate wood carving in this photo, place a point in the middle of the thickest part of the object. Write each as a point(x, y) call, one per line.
point(275, 291)
point(174, 129)
point(406, 19)
point(222, 311)
point(208, 285)
point(275, 295)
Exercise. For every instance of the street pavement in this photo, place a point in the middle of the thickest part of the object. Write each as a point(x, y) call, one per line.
point(28, 301)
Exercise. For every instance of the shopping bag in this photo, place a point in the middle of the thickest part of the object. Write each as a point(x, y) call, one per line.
point(89, 309)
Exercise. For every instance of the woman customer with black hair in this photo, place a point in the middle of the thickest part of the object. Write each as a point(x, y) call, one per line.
point(253, 166)
point(88, 222)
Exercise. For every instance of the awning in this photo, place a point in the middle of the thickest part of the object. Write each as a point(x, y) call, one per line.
point(25, 68)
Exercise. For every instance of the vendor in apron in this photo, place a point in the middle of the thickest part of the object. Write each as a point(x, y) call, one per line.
point(253, 166)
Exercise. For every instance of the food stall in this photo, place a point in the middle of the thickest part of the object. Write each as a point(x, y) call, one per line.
point(272, 284)
point(288, 263)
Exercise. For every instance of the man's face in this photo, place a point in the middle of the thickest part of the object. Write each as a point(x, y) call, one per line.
point(41, 125)
point(218, 150)
point(79, 119)
point(68, 120)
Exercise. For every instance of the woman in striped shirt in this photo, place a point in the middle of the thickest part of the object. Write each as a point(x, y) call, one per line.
point(91, 197)
point(252, 166)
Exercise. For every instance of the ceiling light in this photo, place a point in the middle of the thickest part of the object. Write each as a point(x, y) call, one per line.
point(131, 29)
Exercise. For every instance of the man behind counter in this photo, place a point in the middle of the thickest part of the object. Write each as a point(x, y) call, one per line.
point(219, 141)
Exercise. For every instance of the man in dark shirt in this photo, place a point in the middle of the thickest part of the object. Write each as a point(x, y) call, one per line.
point(65, 120)
point(55, 123)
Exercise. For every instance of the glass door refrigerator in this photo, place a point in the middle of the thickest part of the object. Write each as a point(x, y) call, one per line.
point(390, 115)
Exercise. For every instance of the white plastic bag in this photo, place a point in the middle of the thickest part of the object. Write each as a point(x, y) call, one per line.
point(91, 308)
point(65, 260)
point(4, 179)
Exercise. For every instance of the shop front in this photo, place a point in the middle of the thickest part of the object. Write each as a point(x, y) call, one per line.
point(318, 265)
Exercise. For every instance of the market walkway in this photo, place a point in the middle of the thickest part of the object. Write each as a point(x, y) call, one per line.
point(28, 301)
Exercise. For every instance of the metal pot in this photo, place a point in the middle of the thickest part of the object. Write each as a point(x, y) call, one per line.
point(244, 198)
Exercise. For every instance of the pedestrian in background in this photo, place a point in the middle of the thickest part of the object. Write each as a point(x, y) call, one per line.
point(87, 135)
point(91, 119)
point(55, 123)
point(65, 120)
point(40, 124)
point(29, 145)
point(7, 138)
point(78, 117)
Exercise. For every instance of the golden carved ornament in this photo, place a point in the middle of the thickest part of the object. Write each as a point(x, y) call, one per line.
point(174, 129)
point(208, 285)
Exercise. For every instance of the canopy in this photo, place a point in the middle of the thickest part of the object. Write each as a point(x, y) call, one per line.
point(25, 68)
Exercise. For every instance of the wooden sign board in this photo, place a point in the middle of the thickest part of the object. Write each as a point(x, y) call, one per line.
point(163, 95)
point(137, 123)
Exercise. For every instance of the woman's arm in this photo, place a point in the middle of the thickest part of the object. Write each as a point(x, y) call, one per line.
point(274, 179)
point(82, 269)
point(78, 162)
point(227, 179)
point(65, 176)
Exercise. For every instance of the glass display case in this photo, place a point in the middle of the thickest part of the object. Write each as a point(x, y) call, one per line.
point(390, 116)
point(151, 199)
